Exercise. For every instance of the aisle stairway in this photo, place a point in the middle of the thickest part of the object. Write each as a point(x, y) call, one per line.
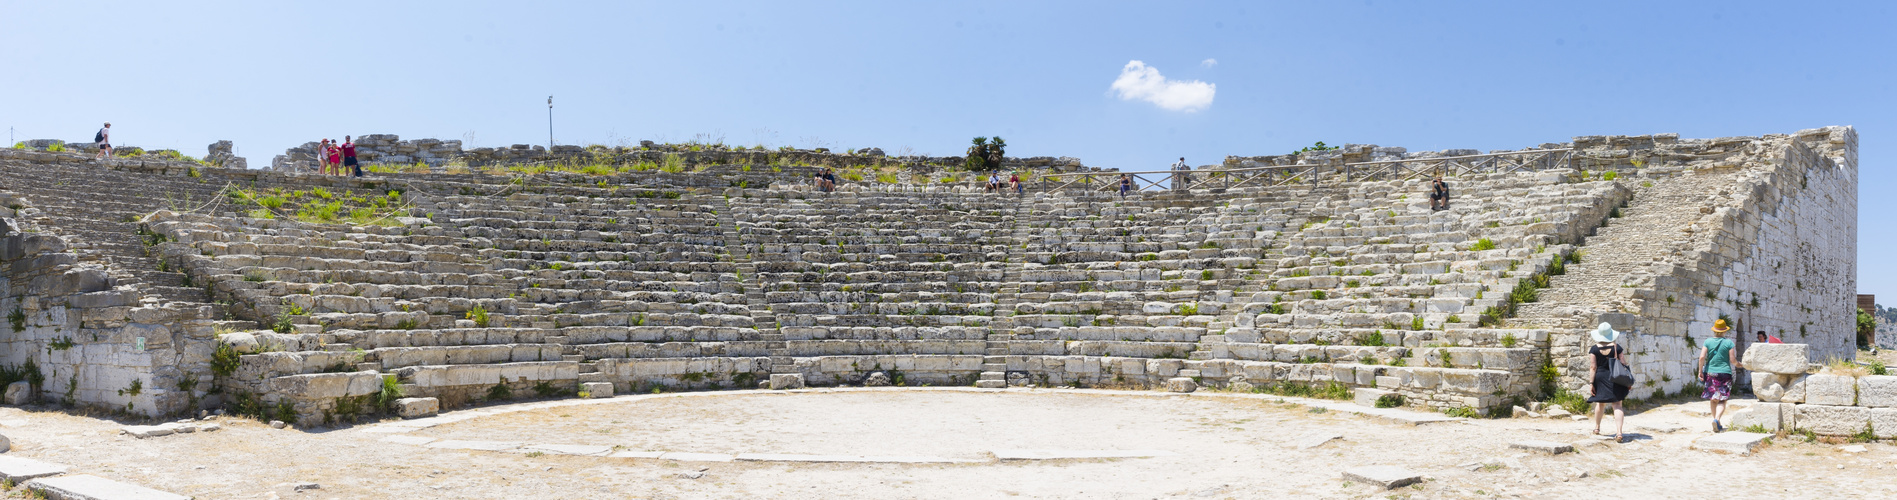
point(1652, 230)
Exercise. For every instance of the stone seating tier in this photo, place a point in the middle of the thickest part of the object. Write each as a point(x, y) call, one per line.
point(945, 287)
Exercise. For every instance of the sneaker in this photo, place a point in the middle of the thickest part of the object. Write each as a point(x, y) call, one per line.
point(1717, 427)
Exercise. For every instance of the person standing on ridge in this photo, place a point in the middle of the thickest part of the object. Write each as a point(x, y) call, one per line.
point(1181, 177)
point(322, 157)
point(349, 157)
point(334, 163)
point(103, 140)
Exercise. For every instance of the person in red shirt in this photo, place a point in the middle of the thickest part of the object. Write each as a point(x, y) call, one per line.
point(1014, 180)
point(1768, 339)
point(349, 157)
point(335, 164)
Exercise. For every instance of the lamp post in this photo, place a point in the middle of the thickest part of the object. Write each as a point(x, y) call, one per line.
point(549, 124)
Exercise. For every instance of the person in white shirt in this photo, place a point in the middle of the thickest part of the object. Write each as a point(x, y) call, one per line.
point(103, 140)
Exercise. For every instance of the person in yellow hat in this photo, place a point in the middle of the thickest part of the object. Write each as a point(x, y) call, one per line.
point(1715, 371)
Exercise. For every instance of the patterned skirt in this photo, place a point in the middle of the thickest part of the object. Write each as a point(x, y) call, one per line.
point(1718, 387)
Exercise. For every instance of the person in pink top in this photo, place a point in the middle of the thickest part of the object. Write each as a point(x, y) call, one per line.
point(335, 165)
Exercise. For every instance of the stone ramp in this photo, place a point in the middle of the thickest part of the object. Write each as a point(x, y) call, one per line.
point(1652, 230)
point(88, 487)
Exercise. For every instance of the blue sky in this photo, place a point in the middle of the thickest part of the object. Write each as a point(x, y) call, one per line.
point(928, 76)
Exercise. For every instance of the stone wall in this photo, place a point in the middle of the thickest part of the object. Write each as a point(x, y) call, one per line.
point(390, 149)
point(1779, 256)
point(1770, 245)
point(95, 344)
point(1794, 395)
point(373, 148)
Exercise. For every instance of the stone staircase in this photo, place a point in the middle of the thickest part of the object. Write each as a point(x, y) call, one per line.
point(1653, 229)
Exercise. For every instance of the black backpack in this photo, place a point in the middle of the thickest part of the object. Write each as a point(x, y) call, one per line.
point(98, 136)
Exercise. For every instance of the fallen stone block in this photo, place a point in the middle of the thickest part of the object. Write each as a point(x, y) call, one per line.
point(1743, 443)
point(1769, 387)
point(18, 393)
point(781, 381)
point(1787, 359)
point(697, 457)
point(1383, 476)
point(1077, 454)
point(1794, 389)
point(417, 407)
point(146, 431)
point(1661, 428)
point(1314, 440)
point(1181, 384)
point(22, 469)
point(1765, 417)
point(1832, 420)
point(88, 487)
point(568, 449)
point(1877, 391)
point(1884, 422)
point(1834, 390)
point(1548, 447)
point(597, 389)
point(1365, 396)
point(455, 444)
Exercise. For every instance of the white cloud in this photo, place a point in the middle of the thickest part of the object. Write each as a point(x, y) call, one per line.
point(1138, 81)
point(1209, 63)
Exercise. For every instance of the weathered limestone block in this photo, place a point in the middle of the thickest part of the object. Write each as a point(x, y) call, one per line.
point(1769, 387)
point(1884, 422)
point(787, 381)
point(1835, 390)
point(1878, 391)
point(1832, 420)
point(18, 393)
point(327, 385)
point(597, 389)
point(1769, 416)
point(417, 407)
point(1365, 396)
point(1794, 389)
point(1787, 359)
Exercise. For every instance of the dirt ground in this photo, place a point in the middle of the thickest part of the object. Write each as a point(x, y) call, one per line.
point(1227, 446)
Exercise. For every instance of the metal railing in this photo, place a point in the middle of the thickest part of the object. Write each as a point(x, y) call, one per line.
point(1313, 174)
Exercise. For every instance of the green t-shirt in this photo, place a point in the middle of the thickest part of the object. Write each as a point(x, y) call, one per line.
point(1718, 355)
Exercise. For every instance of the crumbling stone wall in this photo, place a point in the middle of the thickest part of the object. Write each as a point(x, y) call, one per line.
point(373, 148)
point(390, 149)
point(94, 344)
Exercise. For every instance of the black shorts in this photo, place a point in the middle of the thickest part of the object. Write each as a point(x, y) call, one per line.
point(1436, 196)
point(349, 161)
point(105, 145)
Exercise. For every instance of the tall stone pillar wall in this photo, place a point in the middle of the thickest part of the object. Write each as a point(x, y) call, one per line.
point(1779, 254)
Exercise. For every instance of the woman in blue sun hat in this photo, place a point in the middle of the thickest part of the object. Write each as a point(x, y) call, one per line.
point(1603, 392)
